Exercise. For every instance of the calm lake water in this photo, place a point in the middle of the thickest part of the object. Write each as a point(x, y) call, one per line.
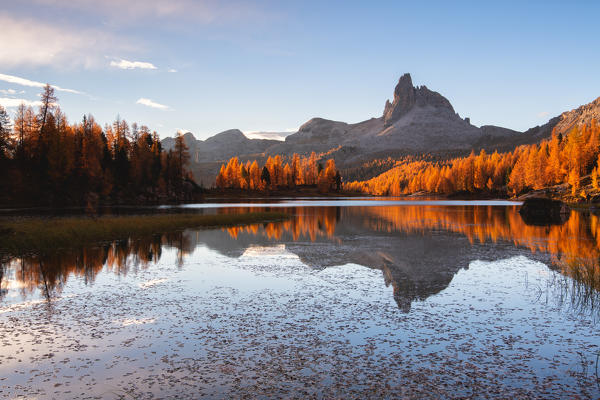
point(350, 298)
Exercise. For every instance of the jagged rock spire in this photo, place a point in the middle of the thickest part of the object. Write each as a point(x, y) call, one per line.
point(404, 100)
point(406, 96)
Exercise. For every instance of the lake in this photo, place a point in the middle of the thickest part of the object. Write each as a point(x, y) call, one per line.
point(349, 298)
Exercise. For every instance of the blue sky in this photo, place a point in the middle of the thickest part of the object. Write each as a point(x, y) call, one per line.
point(208, 66)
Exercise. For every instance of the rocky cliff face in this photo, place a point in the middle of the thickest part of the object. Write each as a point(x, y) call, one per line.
point(406, 97)
point(579, 116)
point(404, 100)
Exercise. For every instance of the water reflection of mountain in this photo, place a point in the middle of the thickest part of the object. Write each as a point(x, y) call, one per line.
point(418, 249)
point(417, 256)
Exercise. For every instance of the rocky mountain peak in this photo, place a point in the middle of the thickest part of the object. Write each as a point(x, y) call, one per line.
point(189, 136)
point(231, 135)
point(189, 139)
point(406, 97)
point(312, 123)
point(404, 100)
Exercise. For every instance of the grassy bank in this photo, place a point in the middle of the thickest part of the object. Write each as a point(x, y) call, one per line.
point(26, 235)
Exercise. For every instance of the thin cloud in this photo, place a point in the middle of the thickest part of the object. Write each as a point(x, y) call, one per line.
point(35, 43)
point(126, 64)
point(26, 82)
point(10, 102)
point(543, 114)
point(172, 70)
point(10, 91)
point(136, 11)
point(149, 103)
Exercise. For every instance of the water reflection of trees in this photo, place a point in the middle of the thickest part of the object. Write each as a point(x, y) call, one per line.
point(574, 243)
point(48, 273)
point(307, 223)
point(574, 246)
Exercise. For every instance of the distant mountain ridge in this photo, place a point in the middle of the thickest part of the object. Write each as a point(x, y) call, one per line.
point(221, 146)
point(416, 121)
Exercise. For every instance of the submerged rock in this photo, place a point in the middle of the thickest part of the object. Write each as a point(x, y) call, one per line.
point(544, 211)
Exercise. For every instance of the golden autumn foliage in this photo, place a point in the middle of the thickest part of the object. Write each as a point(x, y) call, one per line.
point(276, 175)
point(529, 167)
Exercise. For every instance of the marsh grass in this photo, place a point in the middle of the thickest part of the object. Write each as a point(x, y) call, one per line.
point(578, 286)
point(20, 236)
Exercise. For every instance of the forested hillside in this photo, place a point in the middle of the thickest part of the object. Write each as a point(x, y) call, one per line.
point(558, 160)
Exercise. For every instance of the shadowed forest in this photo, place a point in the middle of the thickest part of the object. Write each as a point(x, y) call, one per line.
point(52, 162)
